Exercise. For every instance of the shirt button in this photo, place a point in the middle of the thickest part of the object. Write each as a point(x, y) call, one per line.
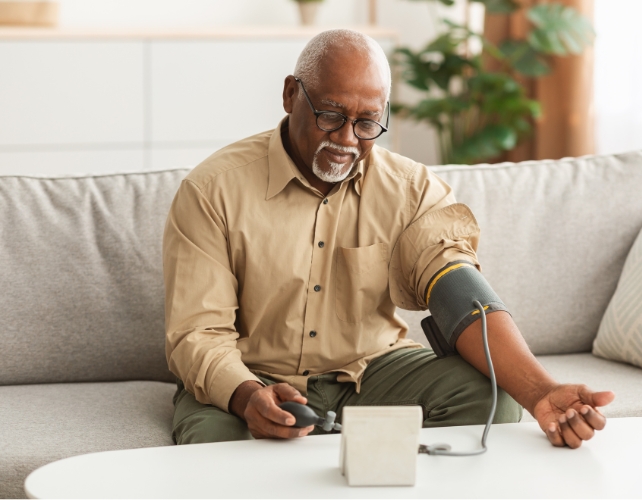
point(313, 333)
point(321, 244)
point(317, 288)
point(325, 202)
point(306, 373)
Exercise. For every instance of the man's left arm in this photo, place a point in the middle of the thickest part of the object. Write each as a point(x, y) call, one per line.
point(567, 413)
point(445, 238)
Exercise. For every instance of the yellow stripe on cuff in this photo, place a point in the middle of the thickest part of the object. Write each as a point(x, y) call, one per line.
point(476, 311)
point(441, 275)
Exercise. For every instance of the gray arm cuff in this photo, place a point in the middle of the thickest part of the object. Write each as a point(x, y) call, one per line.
point(451, 299)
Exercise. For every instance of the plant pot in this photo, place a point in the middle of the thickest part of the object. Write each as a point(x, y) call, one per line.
point(13, 13)
point(308, 12)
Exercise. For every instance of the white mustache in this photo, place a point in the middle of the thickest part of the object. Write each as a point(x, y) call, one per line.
point(337, 147)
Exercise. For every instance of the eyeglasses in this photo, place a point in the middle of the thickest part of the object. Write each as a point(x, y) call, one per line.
point(329, 121)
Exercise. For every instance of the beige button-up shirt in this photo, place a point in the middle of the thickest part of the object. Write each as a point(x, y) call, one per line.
point(264, 275)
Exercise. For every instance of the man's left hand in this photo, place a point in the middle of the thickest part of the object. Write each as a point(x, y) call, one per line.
point(568, 414)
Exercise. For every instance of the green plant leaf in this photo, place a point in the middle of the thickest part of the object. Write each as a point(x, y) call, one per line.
point(477, 114)
point(446, 43)
point(521, 56)
point(499, 6)
point(522, 126)
point(436, 64)
point(559, 30)
point(452, 65)
point(503, 136)
point(486, 144)
point(414, 70)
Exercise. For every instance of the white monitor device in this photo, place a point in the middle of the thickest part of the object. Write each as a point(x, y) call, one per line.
point(379, 445)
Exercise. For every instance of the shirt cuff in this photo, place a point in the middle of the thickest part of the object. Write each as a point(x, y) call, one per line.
point(225, 382)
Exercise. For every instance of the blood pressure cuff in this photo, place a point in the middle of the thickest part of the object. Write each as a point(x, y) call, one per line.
point(450, 295)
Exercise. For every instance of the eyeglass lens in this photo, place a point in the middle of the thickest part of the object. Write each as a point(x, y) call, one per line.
point(365, 129)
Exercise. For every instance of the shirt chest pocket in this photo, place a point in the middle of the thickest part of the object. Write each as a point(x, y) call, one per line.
point(362, 281)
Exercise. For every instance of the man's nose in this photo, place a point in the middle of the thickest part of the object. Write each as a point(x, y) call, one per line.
point(345, 136)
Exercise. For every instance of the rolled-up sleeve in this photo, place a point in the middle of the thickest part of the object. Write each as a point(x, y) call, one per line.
point(443, 231)
point(201, 301)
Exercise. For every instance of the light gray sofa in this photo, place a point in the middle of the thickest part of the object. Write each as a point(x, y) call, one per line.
point(81, 322)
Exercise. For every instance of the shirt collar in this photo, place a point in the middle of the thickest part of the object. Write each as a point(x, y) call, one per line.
point(281, 168)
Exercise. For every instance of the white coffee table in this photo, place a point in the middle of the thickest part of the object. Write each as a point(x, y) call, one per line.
point(520, 463)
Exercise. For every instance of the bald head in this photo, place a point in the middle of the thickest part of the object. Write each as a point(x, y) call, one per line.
point(341, 45)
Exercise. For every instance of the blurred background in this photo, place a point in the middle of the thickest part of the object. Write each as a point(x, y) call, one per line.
point(91, 86)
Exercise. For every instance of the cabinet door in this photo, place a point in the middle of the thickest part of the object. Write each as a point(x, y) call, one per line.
point(161, 158)
point(218, 91)
point(71, 162)
point(70, 92)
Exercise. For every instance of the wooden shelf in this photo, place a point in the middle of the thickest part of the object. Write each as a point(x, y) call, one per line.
point(239, 32)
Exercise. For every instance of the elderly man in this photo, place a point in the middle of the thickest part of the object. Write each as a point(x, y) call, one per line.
point(286, 254)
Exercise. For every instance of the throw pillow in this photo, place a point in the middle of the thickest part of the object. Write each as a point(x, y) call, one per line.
point(619, 337)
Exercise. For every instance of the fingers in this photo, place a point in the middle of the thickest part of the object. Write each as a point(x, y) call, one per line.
point(582, 429)
point(594, 399)
point(593, 417)
point(575, 427)
point(286, 392)
point(571, 439)
point(569, 415)
point(266, 420)
point(268, 409)
point(261, 427)
point(603, 398)
point(553, 435)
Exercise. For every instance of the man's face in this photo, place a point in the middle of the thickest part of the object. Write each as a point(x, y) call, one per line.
point(350, 84)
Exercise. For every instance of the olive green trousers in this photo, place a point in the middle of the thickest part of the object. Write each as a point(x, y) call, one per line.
point(449, 391)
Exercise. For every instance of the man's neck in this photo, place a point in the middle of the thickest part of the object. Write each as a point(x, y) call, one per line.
point(315, 182)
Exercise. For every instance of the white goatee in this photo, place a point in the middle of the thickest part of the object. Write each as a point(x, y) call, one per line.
point(336, 173)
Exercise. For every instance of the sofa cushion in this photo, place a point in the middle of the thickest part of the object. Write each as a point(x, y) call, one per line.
point(43, 423)
point(81, 282)
point(620, 335)
point(554, 237)
point(600, 375)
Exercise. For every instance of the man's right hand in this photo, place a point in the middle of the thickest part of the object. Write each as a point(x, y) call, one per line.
point(258, 406)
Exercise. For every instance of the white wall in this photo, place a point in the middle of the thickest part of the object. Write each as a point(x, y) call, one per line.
point(414, 21)
point(618, 75)
point(171, 14)
point(618, 47)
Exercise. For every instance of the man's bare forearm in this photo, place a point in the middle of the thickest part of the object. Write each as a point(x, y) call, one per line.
point(516, 369)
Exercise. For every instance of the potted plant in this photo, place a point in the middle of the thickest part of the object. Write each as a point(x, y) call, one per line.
point(480, 113)
point(308, 10)
point(28, 13)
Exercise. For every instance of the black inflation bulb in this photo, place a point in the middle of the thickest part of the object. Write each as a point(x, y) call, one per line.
point(303, 414)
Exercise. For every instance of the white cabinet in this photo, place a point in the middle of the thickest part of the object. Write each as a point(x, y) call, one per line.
point(81, 103)
point(70, 92)
point(161, 157)
point(75, 161)
point(218, 90)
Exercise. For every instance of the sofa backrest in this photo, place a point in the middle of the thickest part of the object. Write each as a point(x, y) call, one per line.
point(81, 286)
point(554, 237)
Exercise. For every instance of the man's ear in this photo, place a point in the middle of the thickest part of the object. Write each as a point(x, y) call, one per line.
point(290, 90)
